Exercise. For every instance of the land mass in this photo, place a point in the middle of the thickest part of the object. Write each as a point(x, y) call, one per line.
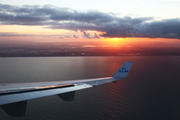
point(82, 49)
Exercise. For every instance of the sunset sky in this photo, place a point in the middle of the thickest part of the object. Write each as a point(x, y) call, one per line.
point(90, 20)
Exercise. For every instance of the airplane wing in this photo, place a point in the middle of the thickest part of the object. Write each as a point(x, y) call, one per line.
point(14, 96)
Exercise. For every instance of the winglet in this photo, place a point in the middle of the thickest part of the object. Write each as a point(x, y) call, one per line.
point(123, 70)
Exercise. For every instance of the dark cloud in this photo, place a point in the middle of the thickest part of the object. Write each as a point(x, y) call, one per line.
point(61, 37)
point(86, 35)
point(75, 36)
point(111, 25)
point(169, 28)
point(95, 35)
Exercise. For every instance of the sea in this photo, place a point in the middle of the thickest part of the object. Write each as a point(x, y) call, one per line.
point(151, 93)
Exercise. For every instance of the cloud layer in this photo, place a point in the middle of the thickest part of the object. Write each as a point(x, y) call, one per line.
point(108, 23)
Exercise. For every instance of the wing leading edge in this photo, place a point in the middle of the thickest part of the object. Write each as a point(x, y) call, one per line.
point(13, 97)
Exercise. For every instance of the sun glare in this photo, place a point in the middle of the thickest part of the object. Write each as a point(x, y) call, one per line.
point(114, 41)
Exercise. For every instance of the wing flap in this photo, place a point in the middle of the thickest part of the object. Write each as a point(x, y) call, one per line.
point(17, 109)
point(67, 96)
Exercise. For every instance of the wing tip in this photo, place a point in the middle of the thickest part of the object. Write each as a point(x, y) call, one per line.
point(123, 71)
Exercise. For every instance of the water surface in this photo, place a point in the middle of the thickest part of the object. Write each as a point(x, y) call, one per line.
point(152, 93)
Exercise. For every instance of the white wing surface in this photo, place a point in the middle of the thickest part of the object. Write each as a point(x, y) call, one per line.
point(14, 96)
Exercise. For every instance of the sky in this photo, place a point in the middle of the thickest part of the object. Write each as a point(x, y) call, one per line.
point(89, 20)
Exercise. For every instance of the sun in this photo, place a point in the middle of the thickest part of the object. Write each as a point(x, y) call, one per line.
point(114, 41)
